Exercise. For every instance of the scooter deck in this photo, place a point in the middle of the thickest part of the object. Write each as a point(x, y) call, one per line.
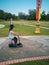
point(17, 46)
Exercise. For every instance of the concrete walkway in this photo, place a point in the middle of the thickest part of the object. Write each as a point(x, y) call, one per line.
point(41, 39)
point(33, 46)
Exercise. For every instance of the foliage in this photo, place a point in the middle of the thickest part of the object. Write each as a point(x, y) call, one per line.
point(22, 16)
point(43, 16)
point(30, 16)
point(6, 16)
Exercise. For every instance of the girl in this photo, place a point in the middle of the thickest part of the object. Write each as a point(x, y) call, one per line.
point(11, 34)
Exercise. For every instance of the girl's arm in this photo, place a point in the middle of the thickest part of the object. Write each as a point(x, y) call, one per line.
point(16, 33)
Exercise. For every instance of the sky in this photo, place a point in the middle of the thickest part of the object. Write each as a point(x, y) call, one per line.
point(16, 6)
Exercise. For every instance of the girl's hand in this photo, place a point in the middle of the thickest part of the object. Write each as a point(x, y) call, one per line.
point(17, 34)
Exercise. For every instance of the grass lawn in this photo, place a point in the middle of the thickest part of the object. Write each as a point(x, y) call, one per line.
point(23, 30)
point(37, 62)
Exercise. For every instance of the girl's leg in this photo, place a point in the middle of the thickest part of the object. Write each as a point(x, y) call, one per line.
point(15, 40)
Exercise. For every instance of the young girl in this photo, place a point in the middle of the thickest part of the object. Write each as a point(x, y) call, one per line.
point(11, 34)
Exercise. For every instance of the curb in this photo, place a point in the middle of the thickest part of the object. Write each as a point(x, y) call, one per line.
point(23, 60)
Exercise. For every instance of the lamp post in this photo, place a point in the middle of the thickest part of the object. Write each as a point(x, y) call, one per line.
point(38, 16)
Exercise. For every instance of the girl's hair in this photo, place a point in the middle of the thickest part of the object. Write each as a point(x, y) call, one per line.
point(11, 27)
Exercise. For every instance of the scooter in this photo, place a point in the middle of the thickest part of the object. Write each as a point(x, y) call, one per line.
point(19, 44)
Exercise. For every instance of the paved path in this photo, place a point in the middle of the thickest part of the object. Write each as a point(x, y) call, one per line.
point(2, 40)
point(33, 46)
point(41, 39)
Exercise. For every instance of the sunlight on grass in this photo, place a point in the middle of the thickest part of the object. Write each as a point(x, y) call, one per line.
point(22, 29)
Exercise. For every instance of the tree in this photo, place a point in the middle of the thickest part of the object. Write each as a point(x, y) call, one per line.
point(43, 16)
point(2, 14)
point(32, 14)
point(47, 16)
point(22, 15)
point(6, 16)
point(14, 17)
point(27, 17)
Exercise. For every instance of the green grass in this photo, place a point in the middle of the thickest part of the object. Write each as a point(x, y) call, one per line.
point(23, 30)
point(37, 62)
point(45, 24)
